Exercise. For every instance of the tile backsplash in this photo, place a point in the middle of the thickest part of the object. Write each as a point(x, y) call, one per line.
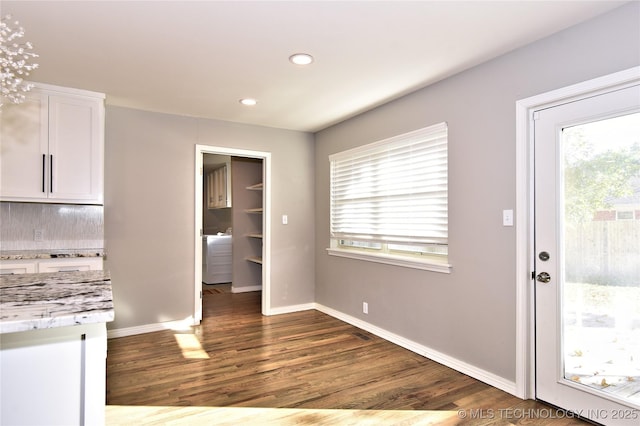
point(63, 226)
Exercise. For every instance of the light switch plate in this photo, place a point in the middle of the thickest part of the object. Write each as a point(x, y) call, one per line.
point(285, 219)
point(507, 217)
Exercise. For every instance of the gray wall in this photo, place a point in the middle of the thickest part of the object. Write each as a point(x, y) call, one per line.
point(149, 210)
point(470, 313)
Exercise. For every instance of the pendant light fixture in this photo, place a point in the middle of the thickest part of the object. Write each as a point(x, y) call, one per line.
point(15, 61)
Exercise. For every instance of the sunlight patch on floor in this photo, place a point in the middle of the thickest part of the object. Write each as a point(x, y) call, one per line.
point(143, 415)
point(190, 346)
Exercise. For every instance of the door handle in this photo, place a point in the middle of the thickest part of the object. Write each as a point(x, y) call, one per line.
point(543, 277)
point(44, 167)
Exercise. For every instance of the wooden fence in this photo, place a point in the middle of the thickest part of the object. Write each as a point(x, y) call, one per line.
point(603, 252)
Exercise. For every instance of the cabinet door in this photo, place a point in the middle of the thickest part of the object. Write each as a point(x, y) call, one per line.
point(211, 192)
point(75, 149)
point(220, 180)
point(23, 149)
point(53, 376)
point(17, 267)
point(219, 188)
point(70, 265)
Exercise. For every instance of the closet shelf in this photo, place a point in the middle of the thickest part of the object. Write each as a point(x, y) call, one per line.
point(256, 187)
point(257, 260)
point(255, 211)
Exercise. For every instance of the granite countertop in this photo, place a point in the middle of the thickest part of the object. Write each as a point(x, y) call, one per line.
point(50, 254)
point(50, 300)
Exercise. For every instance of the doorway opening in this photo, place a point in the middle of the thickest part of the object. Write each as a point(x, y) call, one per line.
point(232, 211)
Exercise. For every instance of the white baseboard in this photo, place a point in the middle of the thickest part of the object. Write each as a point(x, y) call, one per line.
point(149, 328)
point(456, 364)
point(245, 289)
point(292, 308)
point(188, 322)
point(451, 362)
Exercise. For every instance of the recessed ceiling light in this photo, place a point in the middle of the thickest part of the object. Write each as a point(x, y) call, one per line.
point(301, 58)
point(248, 101)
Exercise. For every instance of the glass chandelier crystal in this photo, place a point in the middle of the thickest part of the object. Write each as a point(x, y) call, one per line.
point(15, 61)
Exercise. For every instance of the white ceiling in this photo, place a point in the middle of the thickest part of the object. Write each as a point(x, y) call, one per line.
point(199, 58)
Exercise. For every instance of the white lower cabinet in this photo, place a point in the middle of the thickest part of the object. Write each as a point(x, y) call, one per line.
point(54, 376)
point(18, 267)
point(70, 264)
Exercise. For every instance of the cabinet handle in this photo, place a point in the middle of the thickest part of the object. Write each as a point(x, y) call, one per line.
point(51, 173)
point(44, 166)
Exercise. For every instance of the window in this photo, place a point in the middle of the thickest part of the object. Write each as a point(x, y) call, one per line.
point(389, 200)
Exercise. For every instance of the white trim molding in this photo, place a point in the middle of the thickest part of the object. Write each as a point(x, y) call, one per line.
point(187, 323)
point(245, 289)
point(432, 354)
point(444, 359)
point(266, 222)
point(292, 308)
point(184, 324)
point(525, 108)
point(404, 261)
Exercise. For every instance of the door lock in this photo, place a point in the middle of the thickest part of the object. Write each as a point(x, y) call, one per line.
point(543, 277)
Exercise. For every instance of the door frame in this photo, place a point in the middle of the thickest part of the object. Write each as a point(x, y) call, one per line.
point(200, 150)
point(525, 385)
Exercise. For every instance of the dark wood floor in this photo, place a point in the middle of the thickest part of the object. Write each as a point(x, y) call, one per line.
point(304, 360)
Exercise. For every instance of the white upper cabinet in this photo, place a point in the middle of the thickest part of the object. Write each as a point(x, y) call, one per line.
point(24, 148)
point(52, 147)
point(219, 187)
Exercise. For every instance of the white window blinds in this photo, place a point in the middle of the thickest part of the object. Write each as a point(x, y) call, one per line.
point(392, 191)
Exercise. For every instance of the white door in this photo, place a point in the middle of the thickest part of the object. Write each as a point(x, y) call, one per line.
point(587, 248)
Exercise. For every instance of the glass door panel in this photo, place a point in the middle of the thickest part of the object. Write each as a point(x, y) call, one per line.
point(601, 245)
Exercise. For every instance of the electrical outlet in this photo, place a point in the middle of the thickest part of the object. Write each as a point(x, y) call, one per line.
point(365, 308)
point(38, 235)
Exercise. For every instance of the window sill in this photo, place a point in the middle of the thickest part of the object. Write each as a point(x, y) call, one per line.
point(405, 262)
